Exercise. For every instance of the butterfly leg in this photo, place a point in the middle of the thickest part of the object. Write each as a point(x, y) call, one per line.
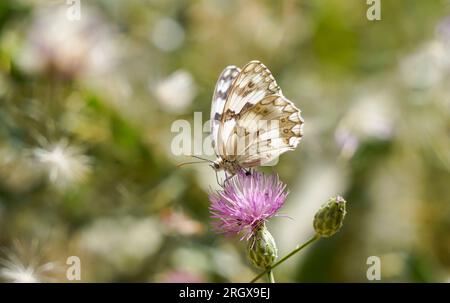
point(227, 178)
point(217, 178)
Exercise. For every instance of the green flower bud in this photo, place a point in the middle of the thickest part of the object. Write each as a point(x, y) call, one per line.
point(330, 217)
point(261, 248)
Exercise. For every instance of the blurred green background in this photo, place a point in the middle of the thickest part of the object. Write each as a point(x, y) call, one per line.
point(86, 108)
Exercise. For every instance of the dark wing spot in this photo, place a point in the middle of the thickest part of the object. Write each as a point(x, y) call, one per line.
point(246, 93)
point(246, 106)
point(230, 114)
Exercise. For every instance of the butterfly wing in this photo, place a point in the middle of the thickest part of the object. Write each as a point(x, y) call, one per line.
point(258, 123)
point(265, 131)
point(221, 93)
point(254, 83)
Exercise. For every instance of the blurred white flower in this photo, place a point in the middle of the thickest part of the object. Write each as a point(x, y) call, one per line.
point(124, 242)
point(176, 92)
point(21, 265)
point(64, 164)
point(370, 118)
point(56, 44)
point(167, 35)
point(426, 67)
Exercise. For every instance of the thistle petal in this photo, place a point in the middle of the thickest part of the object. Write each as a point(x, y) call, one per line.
point(246, 202)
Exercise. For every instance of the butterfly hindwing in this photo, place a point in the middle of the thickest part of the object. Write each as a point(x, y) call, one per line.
point(268, 129)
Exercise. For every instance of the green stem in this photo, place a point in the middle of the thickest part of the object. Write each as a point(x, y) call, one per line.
point(296, 250)
point(270, 276)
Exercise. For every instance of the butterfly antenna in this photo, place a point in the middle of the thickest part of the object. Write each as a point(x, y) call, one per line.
point(203, 160)
point(200, 158)
point(186, 163)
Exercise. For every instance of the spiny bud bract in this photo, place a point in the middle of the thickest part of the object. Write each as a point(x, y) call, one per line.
point(330, 217)
point(261, 248)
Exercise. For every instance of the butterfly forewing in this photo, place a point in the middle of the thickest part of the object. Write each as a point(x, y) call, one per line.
point(221, 92)
point(253, 84)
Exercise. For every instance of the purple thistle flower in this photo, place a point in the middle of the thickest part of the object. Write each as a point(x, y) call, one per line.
point(246, 202)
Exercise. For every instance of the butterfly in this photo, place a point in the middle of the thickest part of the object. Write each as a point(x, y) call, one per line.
point(252, 123)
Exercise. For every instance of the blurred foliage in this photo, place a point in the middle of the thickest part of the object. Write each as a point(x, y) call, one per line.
point(86, 109)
